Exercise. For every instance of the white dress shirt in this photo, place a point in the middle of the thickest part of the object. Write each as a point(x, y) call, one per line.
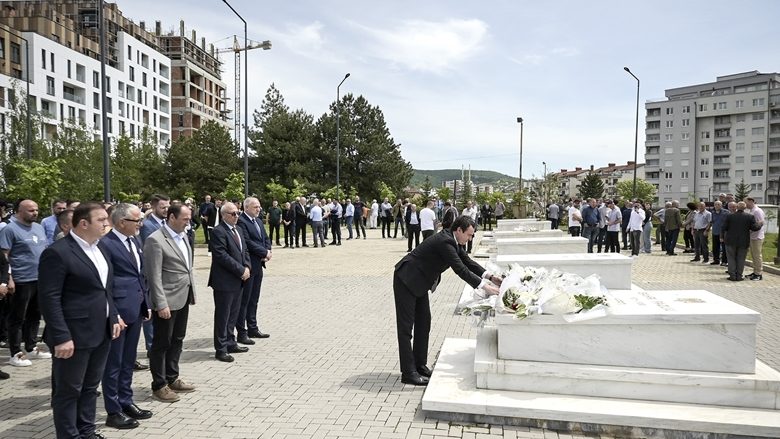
point(181, 241)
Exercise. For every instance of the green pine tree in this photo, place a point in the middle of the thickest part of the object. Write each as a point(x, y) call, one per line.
point(741, 190)
point(592, 187)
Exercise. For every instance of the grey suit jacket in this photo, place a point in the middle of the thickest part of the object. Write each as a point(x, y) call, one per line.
point(171, 283)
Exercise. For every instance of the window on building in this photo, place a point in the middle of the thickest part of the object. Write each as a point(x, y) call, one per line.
point(130, 52)
point(756, 145)
point(757, 172)
point(757, 186)
point(51, 59)
point(132, 74)
point(721, 105)
point(670, 110)
point(96, 100)
point(686, 109)
point(16, 53)
point(72, 113)
point(668, 175)
point(684, 163)
point(667, 188)
point(740, 132)
point(669, 124)
point(668, 137)
point(740, 103)
point(96, 79)
point(143, 79)
point(705, 174)
point(705, 161)
point(686, 122)
point(758, 102)
point(684, 188)
point(181, 119)
point(758, 116)
point(757, 131)
point(739, 173)
point(705, 148)
point(43, 59)
point(739, 146)
point(702, 107)
point(68, 68)
point(669, 150)
point(685, 149)
point(684, 175)
point(705, 134)
point(2, 49)
point(50, 86)
point(109, 125)
point(756, 159)
point(686, 136)
point(739, 159)
point(109, 106)
point(740, 118)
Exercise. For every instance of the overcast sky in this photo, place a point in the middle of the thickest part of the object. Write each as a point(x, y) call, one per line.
point(453, 76)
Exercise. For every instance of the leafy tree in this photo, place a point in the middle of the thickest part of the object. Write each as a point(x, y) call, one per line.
point(592, 187)
point(298, 189)
point(37, 180)
point(644, 191)
point(444, 193)
point(81, 162)
point(200, 163)
point(426, 190)
point(234, 186)
point(465, 195)
point(276, 191)
point(15, 136)
point(741, 190)
point(368, 154)
point(385, 192)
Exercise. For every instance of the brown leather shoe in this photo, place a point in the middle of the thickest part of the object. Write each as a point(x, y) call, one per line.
point(180, 386)
point(165, 394)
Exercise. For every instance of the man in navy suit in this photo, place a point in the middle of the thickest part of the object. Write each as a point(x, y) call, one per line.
point(259, 245)
point(130, 292)
point(230, 268)
point(74, 289)
point(153, 221)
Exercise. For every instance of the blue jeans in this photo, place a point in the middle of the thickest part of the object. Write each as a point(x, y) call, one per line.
point(591, 233)
point(349, 225)
point(646, 232)
point(671, 240)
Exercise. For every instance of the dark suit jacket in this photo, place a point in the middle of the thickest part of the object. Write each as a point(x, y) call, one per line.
point(72, 297)
point(408, 218)
point(211, 214)
point(672, 219)
point(300, 213)
point(421, 269)
point(257, 241)
point(736, 229)
point(129, 289)
point(149, 226)
point(227, 259)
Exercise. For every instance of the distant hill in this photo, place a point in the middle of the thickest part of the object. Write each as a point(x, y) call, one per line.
point(439, 175)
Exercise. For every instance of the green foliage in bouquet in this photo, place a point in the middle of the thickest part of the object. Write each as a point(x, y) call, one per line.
point(589, 302)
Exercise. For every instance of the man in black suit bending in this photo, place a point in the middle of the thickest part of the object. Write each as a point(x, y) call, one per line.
point(74, 289)
point(229, 270)
point(419, 272)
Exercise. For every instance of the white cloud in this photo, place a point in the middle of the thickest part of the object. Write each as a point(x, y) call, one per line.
point(426, 45)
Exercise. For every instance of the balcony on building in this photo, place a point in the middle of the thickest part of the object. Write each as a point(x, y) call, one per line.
point(723, 133)
point(721, 160)
point(653, 125)
point(653, 113)
point(652, 139)
point(653, 175)
point(722, 147)
point(722, 122)
point(73, 94)
point(721, 175)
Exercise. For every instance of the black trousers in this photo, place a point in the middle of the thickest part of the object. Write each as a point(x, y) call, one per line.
point(624, 234)
point(271, 229)
point(74, 383)
point(250, 297)
point(385, 226)
point(688, 239)
point(226, 305)
point(413, 231)
point(671, 240)
point(359, 225)
point(575, 230)
point(427, 234)
point(300, 233)
point(636, 237)
point(335, 230)
point(613, 244)
point(166, 346)
point(288, 239)
point(206, 232)
point(554, 223)
point(399, 220)
point(736, 256)
point(412, 314)
point(24, 317)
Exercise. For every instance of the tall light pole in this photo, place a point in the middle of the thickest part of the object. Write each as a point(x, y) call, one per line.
point(777, 243)
point(246, 106)
point(338, 135)
point(544, 185)
point(520, 172)
point(103, 114)
point(636, 130)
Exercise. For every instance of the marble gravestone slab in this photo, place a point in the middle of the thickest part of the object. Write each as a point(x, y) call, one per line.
point(534, 246)
point(684, 330)
point(760, 390)
point(613, 269)
point(528, 223)
point(557, 233)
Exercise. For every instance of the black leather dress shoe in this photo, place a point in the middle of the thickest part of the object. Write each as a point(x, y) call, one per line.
point(245, 340)
point(224, 357)
point(414, 379)
point(424, 371)
point(136, 412)
point(139, 366)
point(97, 435)
point(258, 334)
point(237, 349)
point(121, 421)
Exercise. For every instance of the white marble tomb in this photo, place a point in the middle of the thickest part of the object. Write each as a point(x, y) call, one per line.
point(613, 269)
point(526, 246)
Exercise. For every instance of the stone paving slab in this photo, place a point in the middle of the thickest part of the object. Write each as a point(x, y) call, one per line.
point(330, 368)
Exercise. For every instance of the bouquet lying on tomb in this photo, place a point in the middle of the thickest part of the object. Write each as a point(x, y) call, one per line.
point(529, 291)
point(526, 229)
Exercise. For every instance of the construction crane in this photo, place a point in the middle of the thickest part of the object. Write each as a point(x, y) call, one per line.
point(237, 49)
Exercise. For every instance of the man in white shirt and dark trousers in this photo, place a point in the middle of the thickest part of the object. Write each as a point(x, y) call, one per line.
point(413, 226)
point(635, 226)
point(428, 221)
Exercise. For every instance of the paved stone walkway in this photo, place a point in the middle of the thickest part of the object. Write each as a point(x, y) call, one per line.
point(330, 368)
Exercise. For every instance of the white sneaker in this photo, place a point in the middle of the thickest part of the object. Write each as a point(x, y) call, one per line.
point(20, 360)
point(37, 354)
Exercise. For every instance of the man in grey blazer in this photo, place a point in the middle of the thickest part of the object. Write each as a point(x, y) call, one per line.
point(168, 265)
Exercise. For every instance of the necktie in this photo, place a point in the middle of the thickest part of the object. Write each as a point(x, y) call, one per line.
point(133, 255)
point(129, 245)
point(235, 237)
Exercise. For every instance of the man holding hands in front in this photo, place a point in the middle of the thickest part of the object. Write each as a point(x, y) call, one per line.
point(419, 272)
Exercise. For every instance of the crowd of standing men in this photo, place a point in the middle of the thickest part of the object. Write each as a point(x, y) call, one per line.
point(736, 228)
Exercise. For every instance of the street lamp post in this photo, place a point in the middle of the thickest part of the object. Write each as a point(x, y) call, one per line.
point(777, 242)
point(338, 134)
point(103, 114)
point(520, 172)
point(636, 130)
point(246, 106)
point(544, 185)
